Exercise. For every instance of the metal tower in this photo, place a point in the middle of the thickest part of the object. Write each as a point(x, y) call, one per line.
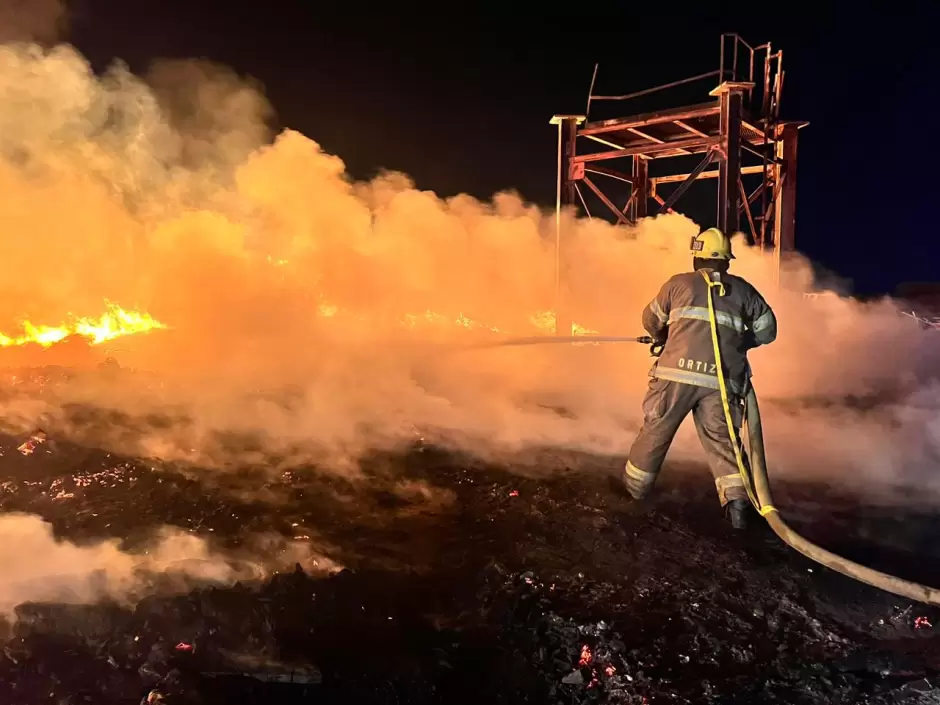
point(738, 130)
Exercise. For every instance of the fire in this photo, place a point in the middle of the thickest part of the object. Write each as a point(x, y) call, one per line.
point(116, 322)
point(433, 318)
point(542, 321)
point(546, 321)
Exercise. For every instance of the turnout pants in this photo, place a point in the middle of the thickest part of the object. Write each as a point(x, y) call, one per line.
point(665, 407)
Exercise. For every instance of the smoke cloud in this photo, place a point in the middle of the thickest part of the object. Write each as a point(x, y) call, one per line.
point(314, 318)
point(38, 567)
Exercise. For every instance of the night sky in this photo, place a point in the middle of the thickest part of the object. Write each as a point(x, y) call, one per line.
point(460, 97)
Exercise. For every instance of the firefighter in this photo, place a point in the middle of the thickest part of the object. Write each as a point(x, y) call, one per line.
point(684, 377)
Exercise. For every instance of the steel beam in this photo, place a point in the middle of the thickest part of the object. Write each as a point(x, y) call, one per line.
point(612, 173)
point(569, 134)
point(713, 174)
point(657, 118)
point(629, 204)
point(606, 201)
point(647, 149)
point(747, 209)
point(684, 186)
point(659, 199)
point(584, 204)
point(731, 101)
point(756, 192)
point(641, 188)
point(606, 143)
point(688, 128)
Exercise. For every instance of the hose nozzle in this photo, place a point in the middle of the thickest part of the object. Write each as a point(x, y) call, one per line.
point(656, 346)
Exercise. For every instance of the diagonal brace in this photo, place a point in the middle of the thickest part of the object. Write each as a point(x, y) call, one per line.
point(684, 186)
point(606, 201)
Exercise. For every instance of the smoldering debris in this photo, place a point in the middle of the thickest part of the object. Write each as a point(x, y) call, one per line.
point(528, 589)
point(36, 438)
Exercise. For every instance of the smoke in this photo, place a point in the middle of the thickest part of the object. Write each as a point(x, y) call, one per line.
point(38, 567)
point(32, 20)
point(314, 318)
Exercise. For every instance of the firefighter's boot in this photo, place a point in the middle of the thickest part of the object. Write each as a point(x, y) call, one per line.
point(737, 511)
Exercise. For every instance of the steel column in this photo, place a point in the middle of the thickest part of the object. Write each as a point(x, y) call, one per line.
point(641, 180)
point(731, 107)
point(785, 216)
point(569, 136)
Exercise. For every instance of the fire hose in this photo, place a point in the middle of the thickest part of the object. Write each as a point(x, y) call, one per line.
point(755, 477)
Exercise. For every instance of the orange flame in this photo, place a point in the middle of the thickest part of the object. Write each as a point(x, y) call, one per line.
point(115, 323)
point(118, 322)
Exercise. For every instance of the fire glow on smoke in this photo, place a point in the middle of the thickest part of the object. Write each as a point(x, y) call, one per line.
point(543, 321)
point(118, 322)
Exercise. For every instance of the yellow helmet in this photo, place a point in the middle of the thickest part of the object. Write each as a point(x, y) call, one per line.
point(712, 244)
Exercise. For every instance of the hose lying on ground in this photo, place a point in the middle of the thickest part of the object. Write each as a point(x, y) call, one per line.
point(758, 487)
point(755, 478)
point(765, 506)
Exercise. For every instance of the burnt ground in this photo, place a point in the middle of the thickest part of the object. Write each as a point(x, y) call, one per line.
point(483, 587)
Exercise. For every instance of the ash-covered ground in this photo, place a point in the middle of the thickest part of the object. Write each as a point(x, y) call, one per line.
point(466, 583)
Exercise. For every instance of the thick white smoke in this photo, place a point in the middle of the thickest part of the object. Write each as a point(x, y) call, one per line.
point(314, 318)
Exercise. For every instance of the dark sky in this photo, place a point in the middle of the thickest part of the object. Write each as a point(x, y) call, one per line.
point(460, 98)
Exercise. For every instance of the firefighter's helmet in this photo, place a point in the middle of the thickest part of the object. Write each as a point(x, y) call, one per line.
point(712, 244)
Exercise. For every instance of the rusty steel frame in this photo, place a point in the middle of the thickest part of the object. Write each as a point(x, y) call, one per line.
point(684, 186)
point(742, 119)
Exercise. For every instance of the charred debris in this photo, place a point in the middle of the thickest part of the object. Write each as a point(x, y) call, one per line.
point(487, 586)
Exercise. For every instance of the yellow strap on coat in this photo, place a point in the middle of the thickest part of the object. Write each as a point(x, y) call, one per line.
point(723, 388)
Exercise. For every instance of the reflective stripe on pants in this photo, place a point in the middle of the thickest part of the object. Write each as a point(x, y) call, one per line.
point(665, 407)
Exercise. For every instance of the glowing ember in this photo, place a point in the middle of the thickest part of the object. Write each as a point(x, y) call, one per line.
point(586, 656)
point(433, 318)
point(921, 622)
point(34, 441)
point(542, 321)
point(327, 310)
point(581, 330)
point(115, 323)
point(546, 321)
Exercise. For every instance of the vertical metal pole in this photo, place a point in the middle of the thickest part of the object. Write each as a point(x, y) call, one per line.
point(778, 84)
point(765, 97)
point(729, 168)
point(568, 197)
point(721, 63)
point(638, 206)
point(557, 295)
point(785, 220)
point(734, 60)
point(565, 194)
point(587, 112)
